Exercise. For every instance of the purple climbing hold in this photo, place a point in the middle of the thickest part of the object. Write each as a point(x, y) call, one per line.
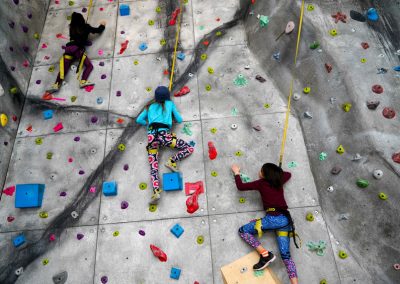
point(63, 193)
point(124, 204)
point(103, 76)
point(81, 172)
point(79, 236)
point(11, 48)
point(25, 29)
point(11, 25)
point(118, 93)
point(101, 63)
point(126, 167)
point(84, 10)
point(38, 82)
point(77, 138)
point(104, 279)
point(94, 119)
point(122, 32)
point(29, 15)
point(12, 68)
point(16, 2)
point(142, 233)
point(26, 49)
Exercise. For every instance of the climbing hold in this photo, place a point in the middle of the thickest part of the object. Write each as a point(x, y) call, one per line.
point(116, 234)
point(163, 42)
point(314, 45)
point(158, 9)
point(203, 56)
point(328, 67)
point(323, 281)
point(276, 56)
point(60, 278)
point(151, 22)
point(136, 62)
point(372, 105)
point(74, 214)
point(124, 204)
point(158, 253)
point(372, 15)
point(79, 236)
point(19, 271)
point(240, 81)
point(214, 173)
point(245, 178)
point(317, 247)
point(52, 238)
point(357, 16)
point(310, 217)
point(296, 96)
point(330, 189)
point(143, 46)
point(142, 233)
point(218, 33)
point(257, 127)
point(213, 130)
point(264, 20)
point(342, 254)
point(73, 98)
point(186, 128)
point(260, 79)
point(396, 157)
point(363, 183)
point(389, 113)
point(242, 200)
point(310, 7)
point(333, 32)
point(396, 266)
point(378, 174)
point(377, 89)
point(238, 153)
point(308, 114)
point(363, 60)
point(43, 214)
point(382, 70)
point(121, 147)
point(267, 106)
point(3, 119)
point(340, 149)
point(365, 45)
point(210, 70)
point(212, 151)
point(36, 36)
point(356, 157)
point(292, 164)
point(45, 261)
point(234, 126)
point(39, 141)
point(200, 240)
point(339, 17)
point(208, 87)
point(104, 279)
point(323, 156)
point(383, 196)
point(306, 90)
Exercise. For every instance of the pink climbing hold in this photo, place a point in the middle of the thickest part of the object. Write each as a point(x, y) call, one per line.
point(44, 45)
point(10, 219)
point(58, 127)
point(9, 190)
point(52, 238)
point(377, 89)
point(388, 113)
point(89, 88)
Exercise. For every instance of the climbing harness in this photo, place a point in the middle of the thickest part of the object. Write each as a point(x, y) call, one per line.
point(155, 129)
point(286, 126)
point(62, 72)
point(176, 46)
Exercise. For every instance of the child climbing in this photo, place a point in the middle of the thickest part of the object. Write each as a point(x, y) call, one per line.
point(159, 113)
point(270, 186)
point(79, 32)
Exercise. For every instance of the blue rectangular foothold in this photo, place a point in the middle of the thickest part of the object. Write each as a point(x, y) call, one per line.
point(29, 195)
point(110, 188)
point(19, 240)
point(175, 273)
point(177, 230)
point(172, 181)
point(124, 10)
point(181, 56)
point(48, 114)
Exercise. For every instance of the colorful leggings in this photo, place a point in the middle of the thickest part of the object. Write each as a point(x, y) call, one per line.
point(76, 53)
point(272, 222)
point(164, 139)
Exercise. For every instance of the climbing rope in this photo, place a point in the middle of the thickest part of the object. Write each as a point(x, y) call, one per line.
point(89, 8)
point(286, 125)
point(178, 31)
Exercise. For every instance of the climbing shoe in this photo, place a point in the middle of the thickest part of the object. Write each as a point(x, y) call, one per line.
point(155, 198)
point(84, 83)
point(264, 261)
point(172, 165)
point(54, 88)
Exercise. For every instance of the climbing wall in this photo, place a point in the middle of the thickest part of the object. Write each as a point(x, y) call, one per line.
point(235, 101)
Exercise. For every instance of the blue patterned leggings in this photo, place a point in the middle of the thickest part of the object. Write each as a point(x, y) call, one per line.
point(272, 222)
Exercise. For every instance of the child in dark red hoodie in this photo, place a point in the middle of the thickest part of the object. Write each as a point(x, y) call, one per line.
point(270, 186)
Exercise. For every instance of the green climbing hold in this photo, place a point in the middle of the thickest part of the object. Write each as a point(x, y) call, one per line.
point(310, 217)
point(314, 45)
point(323, 156)
point(242, 200)
point(234, 111)
point(71, 3)
point(319, 247)
point(51, 69)
point(73, 98)
point(121, 147)
point(36, 36)
point(258, 273)
point(45, 261)
point(383, 196)
point(153, 208)
point(49, 155)
point(245, 178)
point(13, 90)
point(240, 81)
point(200, 240)
point(39, 141)
point(143, 185)
point(292, 164)
point(116, 234)
point(342, 254)
point(363, 183)
point(264, 21)
point(186, 128)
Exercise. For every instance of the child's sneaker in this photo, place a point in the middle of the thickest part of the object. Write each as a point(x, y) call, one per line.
point(54, 88)
point(155, 198)
point(172, 165)
point(264, 261)
point(85, 83)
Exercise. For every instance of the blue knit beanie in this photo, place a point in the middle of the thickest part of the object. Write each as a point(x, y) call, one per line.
point(162, 94)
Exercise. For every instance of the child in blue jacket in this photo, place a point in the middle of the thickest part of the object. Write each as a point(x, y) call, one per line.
point(158, 113)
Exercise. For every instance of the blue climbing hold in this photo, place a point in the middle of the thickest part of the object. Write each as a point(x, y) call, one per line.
point(397, 68)
point(143, 46)
point(181, 56)
point(177, 230)
point(19, 240)
point(372, 15)
point(175, 273)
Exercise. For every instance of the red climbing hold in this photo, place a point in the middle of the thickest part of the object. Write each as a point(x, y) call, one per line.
point(9, 190)
point(328, 67)
point(193, 188)
point(206, 42)
point(158, 253)
point(10, 219)
point(174, 15)
point(396, 157)
point(192, 203)
point(388, 113)
point(124, 46)
point(339, 17)
point(377, 89)
point(47, 96)
point(212, 151)
point(185, 90)
point(365, 45)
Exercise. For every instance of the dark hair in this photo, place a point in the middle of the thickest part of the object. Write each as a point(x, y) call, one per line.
point(77, 24)
point(273, 175)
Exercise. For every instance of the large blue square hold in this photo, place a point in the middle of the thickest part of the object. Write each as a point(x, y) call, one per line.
point(172, 181)
point(110, 188)
point(19, 240)
point(177, 230)
point(29, 195)
point(124, 10)
point(175, 273)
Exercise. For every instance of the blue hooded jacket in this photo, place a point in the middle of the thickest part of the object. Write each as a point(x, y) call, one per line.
point(155, 113)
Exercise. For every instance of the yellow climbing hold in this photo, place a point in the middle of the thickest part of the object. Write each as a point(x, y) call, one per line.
point(200, 240)
point(3, 119)
point(214, 173)
point(310, 7)
point(213, 130)
point(383, 196)
point(43, 214)
point(210, 70)
point(158, 9)
point(347, 107)
point(323, 281)
point(310, 217)
point(242, 200)
point(39, 141)
point(116, 234)
point(306, 90)
point(163, 42)
point(203, 56)
point(342, 254)
point(45, 261)
point(218, 33)
point(208, 87)
point(333, 32)
point(153, 208)
point(363, 60)
point(143, 185)
point(148, 89)
point(238, 153)
point(13, 90)
point(340, 149)
point(136, 62)
point(121, 147)
point(151, 23)
point(267, 106)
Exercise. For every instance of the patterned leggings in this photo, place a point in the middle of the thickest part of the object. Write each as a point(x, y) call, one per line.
point(164, 139)
point(271, 222)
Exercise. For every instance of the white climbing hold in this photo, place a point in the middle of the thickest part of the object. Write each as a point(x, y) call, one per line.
point(296, 96)
point(74, 214)
point(356, 157)
point(378, 174)
point(333, 100)
point(19, 271)
point(308, 114)
point(234, 126)
point(330, 189)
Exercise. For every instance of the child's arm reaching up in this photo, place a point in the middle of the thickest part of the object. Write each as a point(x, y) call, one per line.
point(241, 185)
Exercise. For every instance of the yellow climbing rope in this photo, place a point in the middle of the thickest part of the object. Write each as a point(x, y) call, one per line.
point(286, 125)
point(89, 8)
point(178, 31)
